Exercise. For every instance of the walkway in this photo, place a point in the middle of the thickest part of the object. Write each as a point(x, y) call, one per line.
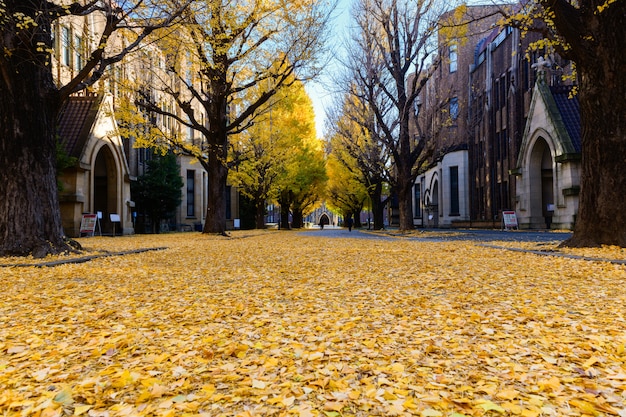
point(474, 235)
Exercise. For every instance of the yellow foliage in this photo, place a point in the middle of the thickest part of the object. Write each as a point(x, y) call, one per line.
point(281, 323)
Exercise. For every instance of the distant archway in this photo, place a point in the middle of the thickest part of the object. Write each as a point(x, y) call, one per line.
point(105, 192)
point(541, 182)
point(324, 219)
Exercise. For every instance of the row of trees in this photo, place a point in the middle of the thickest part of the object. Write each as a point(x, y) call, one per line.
point(240, 55)
point(393, 39)
point(243, 53)
point(229, 63)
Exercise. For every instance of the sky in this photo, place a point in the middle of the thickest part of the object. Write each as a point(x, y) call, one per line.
point(319, 91)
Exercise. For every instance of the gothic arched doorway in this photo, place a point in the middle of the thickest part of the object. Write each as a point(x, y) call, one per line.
point(541, 184)
point(105, 189)
point(324, 220)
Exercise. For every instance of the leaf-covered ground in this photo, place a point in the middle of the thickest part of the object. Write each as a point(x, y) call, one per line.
point(290, 324)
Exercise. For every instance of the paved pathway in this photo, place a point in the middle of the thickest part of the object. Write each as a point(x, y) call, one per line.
point(477, 235)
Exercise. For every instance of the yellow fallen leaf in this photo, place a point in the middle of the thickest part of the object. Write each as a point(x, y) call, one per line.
point(590, 362)
point(553, 384)
point(81, 409)
point(508, 394)
point(258, 384)
point(490, 406)
point(585, 407)
point(333, 406)
point(64, 396)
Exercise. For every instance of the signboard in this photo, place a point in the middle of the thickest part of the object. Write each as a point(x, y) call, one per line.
point(88, 224)
point(510, 219)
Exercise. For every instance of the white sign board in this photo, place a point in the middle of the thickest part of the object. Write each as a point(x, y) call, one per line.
point(88, 224)
point(510, 219)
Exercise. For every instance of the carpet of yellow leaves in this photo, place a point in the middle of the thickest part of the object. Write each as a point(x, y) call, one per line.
point(289, 324)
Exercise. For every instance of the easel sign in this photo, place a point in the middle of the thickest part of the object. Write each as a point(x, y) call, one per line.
point(509, 219)
point(88, 224)
point(115, 218)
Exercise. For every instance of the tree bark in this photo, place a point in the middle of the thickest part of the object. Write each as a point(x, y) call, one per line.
point(259, 213)
point(378, 206)
point(216, 161)
point(30, 216)
point(404, 187)
point(216, 196)
point(597, 41)
point(297, 219)
point(601, 218)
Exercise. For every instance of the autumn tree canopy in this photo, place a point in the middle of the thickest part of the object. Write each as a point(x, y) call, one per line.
point(393, 40)
point(592, 33)
point(266, 150)
point(224, 63)
point(30, 97)
point(358, 160)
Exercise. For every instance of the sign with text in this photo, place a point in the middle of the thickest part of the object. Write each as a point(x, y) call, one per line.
point(510, 219)
point(88, 224)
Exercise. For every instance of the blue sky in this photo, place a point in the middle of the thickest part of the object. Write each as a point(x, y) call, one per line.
point(321, 96)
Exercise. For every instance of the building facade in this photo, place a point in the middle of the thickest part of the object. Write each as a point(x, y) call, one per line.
point(106, 162)
point(520, 132)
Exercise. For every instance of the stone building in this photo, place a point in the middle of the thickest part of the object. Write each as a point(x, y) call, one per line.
point(99, 181)
point(441, 194)
point(520, 138)
point(548, 164)
point(106, 162)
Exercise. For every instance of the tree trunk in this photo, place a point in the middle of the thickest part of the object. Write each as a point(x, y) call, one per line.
point(216, 196)
point(405, 200)
point(30, 216)
point(357, 219)
point(297, 219)
point(378, 206)
point(601, 217)
point(259, 213)
point(284, 218)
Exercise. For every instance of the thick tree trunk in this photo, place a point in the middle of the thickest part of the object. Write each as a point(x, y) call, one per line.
point(297, 219)
point(378, 206)
point(30, 217)
point(357, 219)
point(601, 216)
point(259, 213)
point(405, 201)
point(284, 218)
point(216, 196)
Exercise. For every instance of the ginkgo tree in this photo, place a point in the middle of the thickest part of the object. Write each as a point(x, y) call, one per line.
point(592, 33)
point(31, 98)
point(266, 149)
point(391, 49)
point(356, 147)
point(302, 179)
point(222, 66)
point(345, 191)
point(303, 184)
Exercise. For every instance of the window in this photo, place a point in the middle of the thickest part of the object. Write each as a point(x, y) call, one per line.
point(78, 56)
point(454, 108)
point(66, 47)
point(454, 191)
point(453, 57)
point(418, 200)
point(191, 193)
